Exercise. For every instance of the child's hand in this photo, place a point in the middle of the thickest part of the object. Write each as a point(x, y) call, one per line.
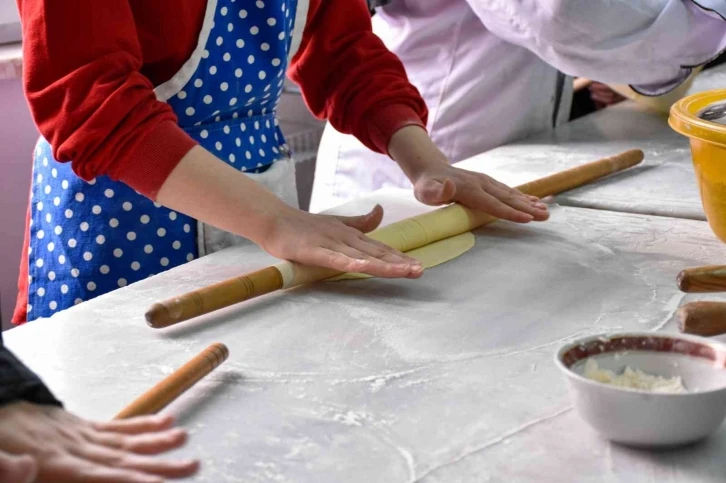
point(437, 183)
point(67, 449)
point(337, 242)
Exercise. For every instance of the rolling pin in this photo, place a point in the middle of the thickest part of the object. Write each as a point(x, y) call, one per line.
point(702, 318)
point(703, 279)
point(176, 384)
point(404, 235)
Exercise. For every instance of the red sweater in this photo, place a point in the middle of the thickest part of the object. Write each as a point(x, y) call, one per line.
point(91, 67)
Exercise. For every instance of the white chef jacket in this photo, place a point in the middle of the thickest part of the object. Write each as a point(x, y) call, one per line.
point(494, 71)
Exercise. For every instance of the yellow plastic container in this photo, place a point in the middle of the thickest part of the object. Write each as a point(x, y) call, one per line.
point(708, 150)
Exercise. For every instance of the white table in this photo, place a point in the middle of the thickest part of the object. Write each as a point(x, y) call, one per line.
point(664, 184)
point(446, 379)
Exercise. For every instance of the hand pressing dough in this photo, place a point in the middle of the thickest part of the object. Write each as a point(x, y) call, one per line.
point(430, 255)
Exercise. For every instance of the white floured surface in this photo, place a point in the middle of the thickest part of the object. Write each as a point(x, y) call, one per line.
point(445, 379)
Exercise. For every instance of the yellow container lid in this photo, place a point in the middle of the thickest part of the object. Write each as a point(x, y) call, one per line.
point(684, 117)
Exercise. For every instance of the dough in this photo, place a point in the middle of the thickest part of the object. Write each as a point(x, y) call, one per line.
point(430, 255)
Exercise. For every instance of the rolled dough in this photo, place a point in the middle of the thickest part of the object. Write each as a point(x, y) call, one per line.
point(430, 255)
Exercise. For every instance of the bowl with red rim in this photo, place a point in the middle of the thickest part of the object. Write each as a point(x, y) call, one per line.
point(638, 417)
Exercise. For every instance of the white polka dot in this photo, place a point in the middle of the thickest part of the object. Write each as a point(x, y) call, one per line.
point(39, 178)
point(100, 239)
point(243, 14)
point(75, 272)
point(113, 222)
point(40, 292)
point(232, 158)
point(240, 43)
point(276, 62)
point(40, 234)
point(64, 184)
point(208, 99)
point(131, 236)
point(161, 232)
point(190, 111)
point(54, 173)
point(39, 206)
point(96, 210)
point(220, 40)
point(204, 134)
point(233, 101)
point(226, 57)
point(218, 146)
point(190, 257)
point(47, 217)
point(135, 266)
point(51, 276)
point(58, 230)
point(92, 182)
point(262, 152)
point(254, 30)
point(127, 206)
point(257, 125)
point(182, 95)
point(264, 138)
point(275, 150)
point(53, 305)
point(176, 245)
point(109, 193)
point(56, 201)
point(51, 246)
point(29, 308)
point(47, 189)
point(217, 119)
point(104, 269)
point(251, 59)
point(39, 262)
point(213, 70)
point(198, 83)
point(223, 11)
point(205, 54)
point(122, 282)
point(262, 75)
point(84, 226)
point(281, 36)
point(62, 259)
point(265, 46)
point(91, 286)
point(267, 124)
point(243, 127)
point(87, 256)
point(145, 219)
point(243, 168)
point(187, 228)
point(77, 301)
point(230, 27)
point(72, 243)
point(172, 215)
point(118, 253)
point(271, 22)
point(248, 88)
point(224, 86)
point(64, 289)
point(260, 4)
point(248, 155)
point(148, 249)
point(158, 205)
point(238, 73)
point(238, 142)
point(252, 140)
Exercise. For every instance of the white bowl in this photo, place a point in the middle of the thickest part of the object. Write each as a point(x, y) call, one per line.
point(638, 418)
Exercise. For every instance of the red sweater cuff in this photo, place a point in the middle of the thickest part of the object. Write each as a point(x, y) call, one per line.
point(147, 168)
point(383, 123)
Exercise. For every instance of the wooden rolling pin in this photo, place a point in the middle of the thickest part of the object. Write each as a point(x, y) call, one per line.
point(404, 235)
point(162, 394)
point(703, 279)
point(702, 318)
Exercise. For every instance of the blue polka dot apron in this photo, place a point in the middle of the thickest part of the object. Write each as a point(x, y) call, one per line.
point(87, 239)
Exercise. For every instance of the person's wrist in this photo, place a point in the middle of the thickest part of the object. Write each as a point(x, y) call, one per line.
point(414, 151)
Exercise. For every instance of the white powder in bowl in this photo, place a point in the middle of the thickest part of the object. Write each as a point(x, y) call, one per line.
point(634, 379)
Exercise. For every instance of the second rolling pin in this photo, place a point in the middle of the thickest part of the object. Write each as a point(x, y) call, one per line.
point(703, 279)
point(702, 318)
point(404, 235)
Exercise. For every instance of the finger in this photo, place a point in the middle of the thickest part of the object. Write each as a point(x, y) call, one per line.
point(130, 461)
point(17, 468)
point(80, 470)
point(149, 443)
point(364, 223)
point(143, 424)
point(332, 258)
point(381, 260)
point(515, 193)
point(433, 192)
point(516, 200)
point(481, 200)
point(380, 250)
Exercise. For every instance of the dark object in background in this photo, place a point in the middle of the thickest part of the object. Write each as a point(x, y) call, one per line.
point(373, 4)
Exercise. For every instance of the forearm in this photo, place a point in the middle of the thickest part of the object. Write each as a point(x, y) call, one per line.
point(209, 190)
point(414, 151)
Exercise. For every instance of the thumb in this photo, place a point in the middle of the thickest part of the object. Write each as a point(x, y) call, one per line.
point(365, 223)
point(431, 191)
point(17, 469)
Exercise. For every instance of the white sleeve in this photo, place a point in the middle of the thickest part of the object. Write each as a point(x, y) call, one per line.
point(650, 44)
